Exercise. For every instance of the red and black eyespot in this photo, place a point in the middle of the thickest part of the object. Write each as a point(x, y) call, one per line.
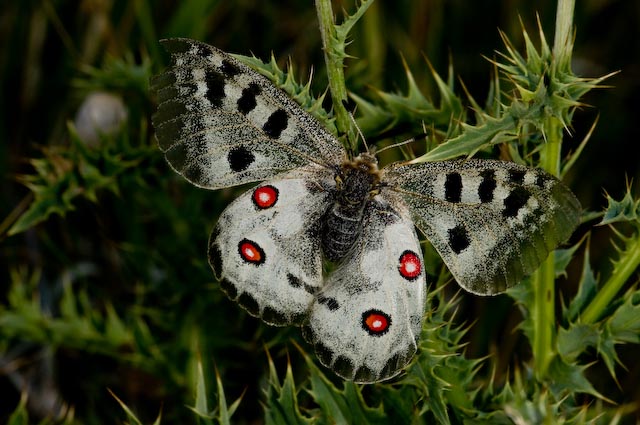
point(265, 197)
point(251, 252)
point(410, 265)
point(376, 322)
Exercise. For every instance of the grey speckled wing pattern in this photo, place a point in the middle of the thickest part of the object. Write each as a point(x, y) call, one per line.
point(366, 321)
point(221, 124)
point(265, 248)
point(493, 222)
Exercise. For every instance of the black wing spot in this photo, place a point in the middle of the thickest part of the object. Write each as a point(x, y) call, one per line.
point(229, 69)
point(331, 303)
point(458, 239)
point(200, 51)
point(541, 180)
point(175, 46)
point(453, 187)
point(193, 173)
point(324, 353)
point(229, 289)
point(344, 366)
point(215, 88)
point(240, 158)
point(247, 101)
point(276, 123)
point(249, 303)
point(294, 281)
point(487, 185)
point(273, 316)
point(364, 374)
point(516, 176)
point(516, 199)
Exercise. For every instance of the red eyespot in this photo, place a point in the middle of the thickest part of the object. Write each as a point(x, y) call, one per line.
point(251, 252)
point(410, 266)
point(265, 197)
point(376, 322)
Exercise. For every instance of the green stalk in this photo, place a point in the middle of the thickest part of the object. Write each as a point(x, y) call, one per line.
point(562, 42)
point(335, 71)
point(543, 316)
point(543, 280)
point(624, 268)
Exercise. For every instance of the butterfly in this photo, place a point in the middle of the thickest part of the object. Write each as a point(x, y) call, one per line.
point(221, 124)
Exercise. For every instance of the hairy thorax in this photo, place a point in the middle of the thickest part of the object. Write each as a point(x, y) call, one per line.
point(356, 183)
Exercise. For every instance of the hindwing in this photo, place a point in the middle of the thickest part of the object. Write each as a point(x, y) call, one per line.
point(265, 248)
point(366, 320)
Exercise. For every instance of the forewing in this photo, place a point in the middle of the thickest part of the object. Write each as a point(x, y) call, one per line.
point(220, 124)
point(492, 222)
point(265, 248)
point(366, 320)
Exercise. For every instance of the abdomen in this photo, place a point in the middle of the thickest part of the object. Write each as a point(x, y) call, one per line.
point(340, 228)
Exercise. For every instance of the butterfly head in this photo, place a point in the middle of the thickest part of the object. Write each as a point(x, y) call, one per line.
point(357, 179)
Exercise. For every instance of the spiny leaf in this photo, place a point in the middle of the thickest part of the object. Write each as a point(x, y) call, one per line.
point(300, 92)
point(586, 290)
point(343, 30)
point(130, 415)
point(569, 378)
point(562, 258)
point(68, 173)
point(20, 416)
point(574, 340)
point(492, 131)
point(624, 266)
point(624, 323)
point(536, 100)
point(442, 377)
point(412, 108)
point(281, 403)
point(625, 210)
point(340, 406)
point(201, 408)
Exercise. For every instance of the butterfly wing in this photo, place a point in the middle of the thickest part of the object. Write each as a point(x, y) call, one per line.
point(265, 248)
point(220, 124)
point(492, 222)
point(366, 320)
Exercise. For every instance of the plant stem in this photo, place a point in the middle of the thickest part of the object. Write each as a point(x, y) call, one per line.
point(562, 42)
point(543, 281)
point(543, 315)
point(335, 71)
point(627, 264)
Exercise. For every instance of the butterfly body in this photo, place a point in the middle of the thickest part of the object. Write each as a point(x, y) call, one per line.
point(356, 183)
point(221, 124)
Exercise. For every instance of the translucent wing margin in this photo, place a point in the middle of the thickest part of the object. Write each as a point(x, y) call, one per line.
point(493, 222)
point(366, 321)
point(220, 124)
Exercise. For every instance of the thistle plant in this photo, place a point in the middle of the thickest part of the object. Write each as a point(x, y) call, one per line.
point(140, 305)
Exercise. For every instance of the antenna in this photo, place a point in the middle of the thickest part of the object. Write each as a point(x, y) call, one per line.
point(355, 124)
point(405, 142)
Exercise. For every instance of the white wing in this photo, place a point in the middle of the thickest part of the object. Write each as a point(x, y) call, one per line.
point(222, 124)
point(366, 321)
point(265, 248)
point(493, 222)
